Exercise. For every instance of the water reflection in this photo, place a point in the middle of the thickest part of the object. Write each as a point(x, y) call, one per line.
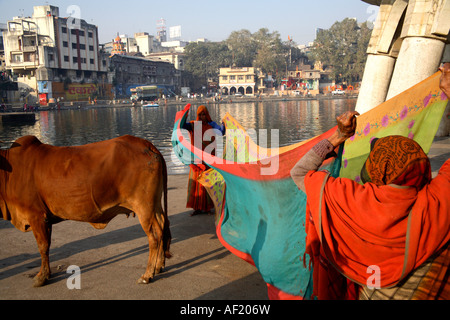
point(296, 121)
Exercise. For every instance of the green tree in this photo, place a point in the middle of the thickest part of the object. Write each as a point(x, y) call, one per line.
point(365, 33)
point(271, 55)
point(262, 49)
point(343, 48)
point(203, 60)
point(242, 47)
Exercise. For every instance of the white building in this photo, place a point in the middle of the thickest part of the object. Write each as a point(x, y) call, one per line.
point(146, 43)
point(50, 55)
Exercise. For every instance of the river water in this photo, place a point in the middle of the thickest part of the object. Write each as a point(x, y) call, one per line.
point(295, 120)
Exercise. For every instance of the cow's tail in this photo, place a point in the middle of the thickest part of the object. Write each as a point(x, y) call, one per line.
point(167, 235)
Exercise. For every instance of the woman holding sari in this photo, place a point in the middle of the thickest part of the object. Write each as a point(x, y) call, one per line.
point(197, 196)
point(388, 238)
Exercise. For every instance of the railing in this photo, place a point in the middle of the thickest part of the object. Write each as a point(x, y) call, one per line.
point(29, 48)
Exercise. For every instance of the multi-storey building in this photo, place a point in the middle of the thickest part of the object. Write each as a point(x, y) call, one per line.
point(7, 86)
point(243, 80)
point(129, 72)
point(55, 57)
point(175, 58)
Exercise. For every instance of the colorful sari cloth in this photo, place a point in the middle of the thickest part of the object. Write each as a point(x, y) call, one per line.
point(197, 196)
point(261, 212)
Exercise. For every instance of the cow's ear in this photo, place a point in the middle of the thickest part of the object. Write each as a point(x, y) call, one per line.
point(15, 145)
point(4, 164)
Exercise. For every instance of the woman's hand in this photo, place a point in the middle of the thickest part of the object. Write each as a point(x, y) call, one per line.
point(346, 128)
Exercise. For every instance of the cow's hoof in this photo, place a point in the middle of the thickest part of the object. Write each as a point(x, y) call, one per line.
point(143, 280)
point(39, 281)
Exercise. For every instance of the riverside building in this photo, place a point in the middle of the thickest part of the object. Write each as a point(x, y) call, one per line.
point(55, 58)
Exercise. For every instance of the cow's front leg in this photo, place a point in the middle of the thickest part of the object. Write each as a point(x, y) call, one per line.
point(42, 230)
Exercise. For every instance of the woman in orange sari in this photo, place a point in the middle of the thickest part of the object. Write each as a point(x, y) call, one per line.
point(197, 196)
point(388, 238)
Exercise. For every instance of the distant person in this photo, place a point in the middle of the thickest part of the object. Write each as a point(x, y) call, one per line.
point(198, 198)
point(397, 223)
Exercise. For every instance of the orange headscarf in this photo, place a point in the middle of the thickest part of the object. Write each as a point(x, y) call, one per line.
point(397, 160)
point(201, 109)
point(204, 126)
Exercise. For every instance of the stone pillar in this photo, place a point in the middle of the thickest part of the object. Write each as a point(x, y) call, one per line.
point(413, 33)
point(382, 53)
point(418, 59)
point(375, 84)
point(424, 33)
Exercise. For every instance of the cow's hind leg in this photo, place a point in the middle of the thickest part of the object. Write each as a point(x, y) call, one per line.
point(160, 255)
point(42, 231)
point(154, 235)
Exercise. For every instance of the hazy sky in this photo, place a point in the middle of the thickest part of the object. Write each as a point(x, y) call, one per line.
point(213, 20)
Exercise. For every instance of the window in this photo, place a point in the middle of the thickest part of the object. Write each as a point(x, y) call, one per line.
point(82, 47)
point(66, 58)
point(65, 44)
point(64, 30)
point(92, 61)
point(73, 31)
point(74, 45)
point(90, 34)
point(75, 59)
point(29, 57)
point(240, 77)
point(91, 48)
point(16, 58)
point(51, 57)
point(81, 33)
point(232, 77)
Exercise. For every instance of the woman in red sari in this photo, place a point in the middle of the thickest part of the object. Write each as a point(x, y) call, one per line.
point(388, 238)
point(197, 196)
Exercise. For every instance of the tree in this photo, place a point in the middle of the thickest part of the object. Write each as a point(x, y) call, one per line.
point(343, 47)
point(242, 47)
point(204, 59)
point(271, 54)
point(262, 49)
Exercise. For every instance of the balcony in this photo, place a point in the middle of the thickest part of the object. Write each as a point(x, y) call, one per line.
point(29, 48)
point(23, 65)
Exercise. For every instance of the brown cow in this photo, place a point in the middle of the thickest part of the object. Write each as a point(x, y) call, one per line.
point(41, 185)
